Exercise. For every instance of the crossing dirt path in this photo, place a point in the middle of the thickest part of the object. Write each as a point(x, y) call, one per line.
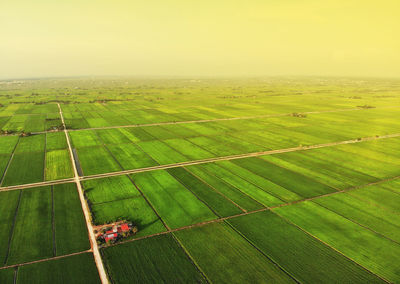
point(85, 208)
point(197, 162)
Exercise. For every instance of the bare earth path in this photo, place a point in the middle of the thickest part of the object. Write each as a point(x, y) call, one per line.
point(197, 162)
point(92, 238)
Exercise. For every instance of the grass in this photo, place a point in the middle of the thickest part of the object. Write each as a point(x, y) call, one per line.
point(19, 173)
point(70, 227)
point(370, 250)
point(8, 205)
point(32, 237)
point(296, 252)
point(158, 259)
point(84, 138)
point(176, 205)
point(75, 269)
point(58, 164)
point(225, 257)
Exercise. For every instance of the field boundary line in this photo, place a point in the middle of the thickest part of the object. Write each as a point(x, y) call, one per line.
point(53, 221)
point(256, 211)
point(92, 238)
point(204, 161)
point(134, 184)
point(216, 190)
point(357, 223)
point(233, 186)
point(12, 228)
point(9, 162)
point(210, 120)
point(240, 156)
point(46, 259)
point(227, 118)
point(260, 251)
point(328, 245)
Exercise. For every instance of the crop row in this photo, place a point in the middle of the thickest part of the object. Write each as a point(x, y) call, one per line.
point(40, 223)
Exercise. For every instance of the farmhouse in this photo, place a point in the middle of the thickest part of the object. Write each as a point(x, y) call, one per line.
point(116, 231)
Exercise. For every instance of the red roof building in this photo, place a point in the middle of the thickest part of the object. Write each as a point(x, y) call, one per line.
point(124, 227)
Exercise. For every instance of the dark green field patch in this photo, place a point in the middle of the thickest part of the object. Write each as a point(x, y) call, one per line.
point(176, 205)
point(131, 156)
point(18, 171)
point(32, 238)
point(307, 259)
point(225, 257)
point(34, 143)
point(73, 269)
point(70, 227)
point(217, 202)
point(96, 160)
point(157, 259)
point(56, 141)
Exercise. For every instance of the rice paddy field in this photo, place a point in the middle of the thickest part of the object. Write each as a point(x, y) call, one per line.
point(265, 180)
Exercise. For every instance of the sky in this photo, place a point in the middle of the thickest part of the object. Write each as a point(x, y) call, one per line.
point(47, 38)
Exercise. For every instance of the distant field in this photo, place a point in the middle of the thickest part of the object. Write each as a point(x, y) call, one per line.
point(282, 180)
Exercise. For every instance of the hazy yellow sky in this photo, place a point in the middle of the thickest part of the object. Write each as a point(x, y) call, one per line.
point(206, 37)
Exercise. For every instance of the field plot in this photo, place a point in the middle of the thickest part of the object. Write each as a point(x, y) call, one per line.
point(304, 257)
point(151, 260)
point(324, 214)
point(367, 248)
point(74, 269)
point(117, 198)
point(225, 256)
point(41, 223)
point(176, 205)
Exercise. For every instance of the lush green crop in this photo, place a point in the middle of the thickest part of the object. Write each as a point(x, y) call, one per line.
point(58, 165)
point(367, 248)
point(304, 257)
point(158, 259)
point(131, 156)
point(70, 230)
point(75, 269)
point(7, 144)
point(226, 257)
point(95, 160)
point(56, 141)
point(25, 168)
point(32, 237)
point(8, 205)
point(216, 201)
point(176, 205)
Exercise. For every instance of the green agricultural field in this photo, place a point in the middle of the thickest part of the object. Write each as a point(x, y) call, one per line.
point(70, 232)
point(176, 205)
point(297, 252)
point(225, 256)
point(366, 247)
point(18, 171)
point(257, 180)
point(58, 164)
point(75, 269)
point(151, 260)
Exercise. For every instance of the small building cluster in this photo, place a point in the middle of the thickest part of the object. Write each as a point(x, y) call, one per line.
point(112, 234)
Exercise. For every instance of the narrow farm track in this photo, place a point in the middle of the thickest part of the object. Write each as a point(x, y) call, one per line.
point(198, 162)
point(210, 120)
point(46, 259)
point(259, 210)
point(85, 208)
point(240, 156)
point(224, 119)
